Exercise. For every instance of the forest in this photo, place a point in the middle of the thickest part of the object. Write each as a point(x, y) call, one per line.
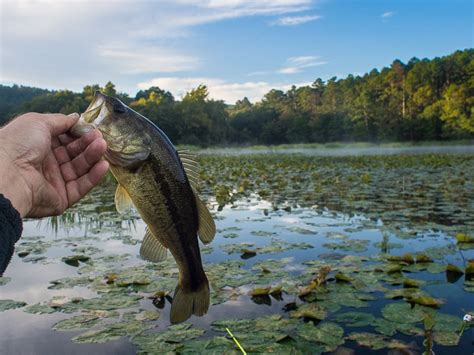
point(421, 100)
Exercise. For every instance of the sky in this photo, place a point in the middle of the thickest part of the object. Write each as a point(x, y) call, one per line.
point(236, 47)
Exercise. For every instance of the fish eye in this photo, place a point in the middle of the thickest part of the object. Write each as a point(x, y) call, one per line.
point(118, 107)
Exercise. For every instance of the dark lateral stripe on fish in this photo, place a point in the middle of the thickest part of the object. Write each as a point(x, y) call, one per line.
point(196, 274)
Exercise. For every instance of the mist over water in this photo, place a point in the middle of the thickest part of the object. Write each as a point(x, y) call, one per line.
point(341, 152)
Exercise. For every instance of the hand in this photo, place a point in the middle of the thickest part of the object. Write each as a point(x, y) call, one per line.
point(43, 169)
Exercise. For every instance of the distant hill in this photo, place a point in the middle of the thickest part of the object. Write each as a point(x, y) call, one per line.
point(421, 100)
point(13, 97)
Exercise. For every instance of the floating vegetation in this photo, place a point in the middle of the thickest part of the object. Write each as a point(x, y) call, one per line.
point(347, 252)
point(78, 322)
point(5, 305)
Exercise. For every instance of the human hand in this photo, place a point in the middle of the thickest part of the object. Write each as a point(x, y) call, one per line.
point(43, 169)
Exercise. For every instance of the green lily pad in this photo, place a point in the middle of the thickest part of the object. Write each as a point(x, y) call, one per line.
point(402, 313)
point(370, 340)
point(469, 286)
point(112, 332)
point(469, 268)
point(329, 334)
point(69, 282)
point(446, 338)
point(40, 309)
point(4, 280)
point(74, 260)
point(168, 340)
point(464, 238)
point(385, 327)
point(262, 233)
point(354, 245)
point(215, 345)
point(77, 322)
point(309, 310)
point(106, 302)
point(355, 319)
point(147, 315)
point(5, 305)
point(303, 231)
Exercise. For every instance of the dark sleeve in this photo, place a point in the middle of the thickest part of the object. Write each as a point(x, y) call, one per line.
point(10, 231)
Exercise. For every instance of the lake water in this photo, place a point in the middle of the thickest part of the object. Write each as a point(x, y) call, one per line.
point(385, 226)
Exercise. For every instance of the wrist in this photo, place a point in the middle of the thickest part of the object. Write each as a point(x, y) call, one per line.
point(12, 184)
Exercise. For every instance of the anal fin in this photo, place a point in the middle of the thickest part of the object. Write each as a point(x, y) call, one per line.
point(152, 249)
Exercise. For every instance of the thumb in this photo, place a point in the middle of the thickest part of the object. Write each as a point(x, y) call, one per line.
point(59, 123)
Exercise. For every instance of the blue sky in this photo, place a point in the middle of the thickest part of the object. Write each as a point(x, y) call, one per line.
point(236, 47)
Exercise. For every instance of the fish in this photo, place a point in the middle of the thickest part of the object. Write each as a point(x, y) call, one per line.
point(160, 182)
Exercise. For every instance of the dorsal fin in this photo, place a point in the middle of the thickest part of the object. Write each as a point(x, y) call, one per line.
point(123, 202)
point(207, 227)
point(191, 167)
point(152, 249)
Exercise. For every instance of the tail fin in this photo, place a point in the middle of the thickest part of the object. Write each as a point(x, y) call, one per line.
point(186, 303)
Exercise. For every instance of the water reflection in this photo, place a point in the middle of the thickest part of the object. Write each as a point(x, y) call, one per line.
point(94, 213)
point(252, 218)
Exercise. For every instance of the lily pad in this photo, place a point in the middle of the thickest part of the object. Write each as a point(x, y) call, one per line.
point(168, 340)
point(74, 260)
point(355, 319)
point(4, 280)
point(112, 332)
point(40, 309)
point(77, 322)
point(402, 313)
point(5, 305)
point(370, 340)
point(329, 334)
point(446, 338)
point(310, 311)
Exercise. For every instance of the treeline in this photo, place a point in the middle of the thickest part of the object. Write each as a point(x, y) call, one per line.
point(420, 100)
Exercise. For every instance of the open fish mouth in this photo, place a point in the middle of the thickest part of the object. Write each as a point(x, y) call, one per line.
point(94, 109)
point(91, 118)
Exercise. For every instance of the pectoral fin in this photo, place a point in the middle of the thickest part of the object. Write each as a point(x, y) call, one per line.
point(123, 202)
point(207, 227)
point(152, 249)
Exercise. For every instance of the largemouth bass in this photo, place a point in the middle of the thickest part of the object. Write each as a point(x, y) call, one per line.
point(158, 181)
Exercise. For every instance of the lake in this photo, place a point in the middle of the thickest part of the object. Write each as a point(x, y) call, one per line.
point(315, 252)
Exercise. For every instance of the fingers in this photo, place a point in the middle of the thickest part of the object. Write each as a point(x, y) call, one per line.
point(76, 189)
point(82, 163)
point(59, 123)
point(77, 146)
point(72, 147)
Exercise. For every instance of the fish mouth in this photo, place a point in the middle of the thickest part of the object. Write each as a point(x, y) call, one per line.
point(94, 110)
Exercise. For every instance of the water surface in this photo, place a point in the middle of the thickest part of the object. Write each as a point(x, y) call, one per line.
point(297, 213)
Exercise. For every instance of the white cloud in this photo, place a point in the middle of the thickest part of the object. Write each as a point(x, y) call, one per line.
point(252, 6)
point(295, 20)
point(147, 60)
point(71, 43)
point(218, 89)
point(297, 64)
point(388, 14)
point(258, 73)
